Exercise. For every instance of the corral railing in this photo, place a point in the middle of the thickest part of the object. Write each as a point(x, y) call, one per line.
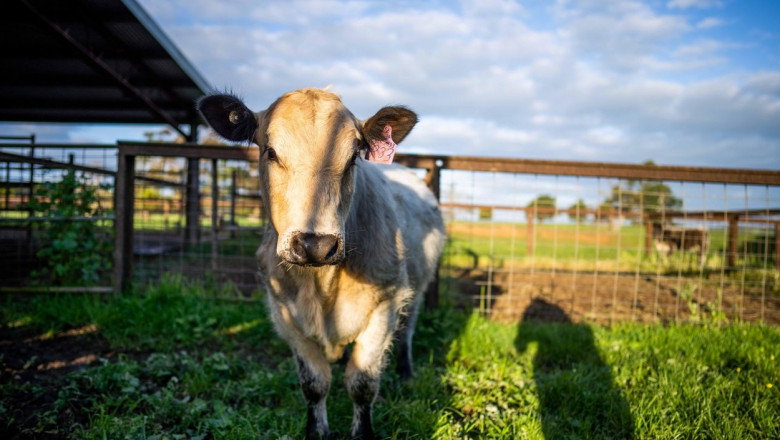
point(593, 250)
point(604, 242)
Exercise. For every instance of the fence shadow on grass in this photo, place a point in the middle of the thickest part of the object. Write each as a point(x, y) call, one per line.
point(577, 396)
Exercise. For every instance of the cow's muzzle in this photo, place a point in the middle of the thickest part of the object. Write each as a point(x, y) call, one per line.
point(312, 249)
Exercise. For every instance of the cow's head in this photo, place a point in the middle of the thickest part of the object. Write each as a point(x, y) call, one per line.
point(310, 147)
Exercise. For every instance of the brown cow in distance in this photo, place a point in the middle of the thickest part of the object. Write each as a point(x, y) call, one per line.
point(670, 239)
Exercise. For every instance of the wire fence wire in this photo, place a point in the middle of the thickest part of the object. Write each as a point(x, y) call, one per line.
point(601, 243)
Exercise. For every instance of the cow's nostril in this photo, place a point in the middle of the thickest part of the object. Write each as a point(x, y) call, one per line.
point(298, 247)
point(333, 251)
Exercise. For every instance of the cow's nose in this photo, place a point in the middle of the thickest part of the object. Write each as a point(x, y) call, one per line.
point(315, 249)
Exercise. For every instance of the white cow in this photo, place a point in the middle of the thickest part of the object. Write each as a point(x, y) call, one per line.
point(351, 245)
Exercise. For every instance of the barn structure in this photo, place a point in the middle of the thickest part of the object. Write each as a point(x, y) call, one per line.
point(87, 61)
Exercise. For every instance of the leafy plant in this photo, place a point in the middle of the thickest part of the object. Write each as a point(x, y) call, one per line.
point(75, 246)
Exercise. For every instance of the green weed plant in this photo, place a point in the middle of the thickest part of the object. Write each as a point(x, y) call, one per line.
point(75, 249)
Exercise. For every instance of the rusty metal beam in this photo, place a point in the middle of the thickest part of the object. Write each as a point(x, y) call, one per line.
point(101, 65)
point(57, 165)
point(595, 169)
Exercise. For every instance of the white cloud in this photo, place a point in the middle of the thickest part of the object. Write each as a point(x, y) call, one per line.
point(605, 80)
point(709, 23)
point(701, 4)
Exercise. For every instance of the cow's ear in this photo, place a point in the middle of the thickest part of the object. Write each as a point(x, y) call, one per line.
point(229, 117)
point(401, 119)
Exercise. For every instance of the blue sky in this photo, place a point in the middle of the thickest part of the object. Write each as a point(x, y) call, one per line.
point(682, 82)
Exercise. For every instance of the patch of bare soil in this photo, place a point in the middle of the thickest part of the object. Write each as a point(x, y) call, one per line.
point(608, 297)
point(35, 365)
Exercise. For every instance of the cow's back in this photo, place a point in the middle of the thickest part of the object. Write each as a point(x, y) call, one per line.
point(422, 226)
point(393, 203)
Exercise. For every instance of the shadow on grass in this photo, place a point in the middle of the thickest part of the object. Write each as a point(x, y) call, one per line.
point(577, 396)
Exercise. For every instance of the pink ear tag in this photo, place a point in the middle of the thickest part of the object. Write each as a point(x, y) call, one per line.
point(382, 150)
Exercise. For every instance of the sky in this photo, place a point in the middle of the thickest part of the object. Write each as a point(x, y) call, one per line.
point(679, 82)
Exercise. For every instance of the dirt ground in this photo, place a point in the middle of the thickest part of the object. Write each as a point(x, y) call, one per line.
point(29, 361)
point(609, 297)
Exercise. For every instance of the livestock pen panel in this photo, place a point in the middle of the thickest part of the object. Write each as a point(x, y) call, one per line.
point(611, 249)
point(601, 242)
point(56, 215)
point(198, 217)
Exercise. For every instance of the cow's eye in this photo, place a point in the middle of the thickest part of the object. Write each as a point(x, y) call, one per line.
point(270, 154)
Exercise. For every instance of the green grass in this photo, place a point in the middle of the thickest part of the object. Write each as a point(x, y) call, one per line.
point(586, 242)
point(194, 364)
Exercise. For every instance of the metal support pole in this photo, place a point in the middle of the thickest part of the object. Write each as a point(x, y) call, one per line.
point(123, 224)
point(31, 191)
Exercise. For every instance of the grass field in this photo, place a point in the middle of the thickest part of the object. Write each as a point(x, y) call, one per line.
point(583, 245)
point(180, 360)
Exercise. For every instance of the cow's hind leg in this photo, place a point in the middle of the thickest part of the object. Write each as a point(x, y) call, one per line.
point(405, 333)
point(314, 376)
point(365, 368)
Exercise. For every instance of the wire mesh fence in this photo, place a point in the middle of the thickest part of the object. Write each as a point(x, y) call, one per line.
point(603, 242)
point(612, 249)
point(56, 220)
point(229, 221)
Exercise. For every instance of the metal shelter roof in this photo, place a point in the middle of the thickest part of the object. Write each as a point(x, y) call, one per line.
point(92, 61)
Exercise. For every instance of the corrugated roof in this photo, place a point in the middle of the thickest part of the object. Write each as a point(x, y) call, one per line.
point(92, 61)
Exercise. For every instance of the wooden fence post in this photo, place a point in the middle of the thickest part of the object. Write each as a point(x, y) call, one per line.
point(433, 179)
point(648, 237)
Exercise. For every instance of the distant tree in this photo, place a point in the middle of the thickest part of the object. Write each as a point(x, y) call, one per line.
point(577, 211)
point(641, 196)
point(543, 207)
point(149, 193)
point(486, 213)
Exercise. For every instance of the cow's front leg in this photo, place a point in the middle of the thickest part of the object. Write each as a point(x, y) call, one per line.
point(365, 368)
point(314, 376)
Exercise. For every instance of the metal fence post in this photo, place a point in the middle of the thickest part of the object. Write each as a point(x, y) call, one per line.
point(233, 191)
point(777, 246)
point(192, 204)
point(214, 213)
